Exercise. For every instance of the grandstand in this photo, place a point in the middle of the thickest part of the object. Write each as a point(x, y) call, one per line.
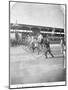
point(55, 34)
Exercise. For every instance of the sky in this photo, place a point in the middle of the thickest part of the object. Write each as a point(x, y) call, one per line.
point(49, 15)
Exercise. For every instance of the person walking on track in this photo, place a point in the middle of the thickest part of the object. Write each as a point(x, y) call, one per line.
point(47, 46)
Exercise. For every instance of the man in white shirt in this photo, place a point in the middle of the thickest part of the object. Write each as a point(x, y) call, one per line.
point(40, 38)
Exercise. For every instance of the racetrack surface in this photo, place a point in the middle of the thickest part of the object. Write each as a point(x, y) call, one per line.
point(28, 67)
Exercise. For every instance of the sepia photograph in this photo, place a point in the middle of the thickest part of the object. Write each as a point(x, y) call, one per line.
point(37, 44)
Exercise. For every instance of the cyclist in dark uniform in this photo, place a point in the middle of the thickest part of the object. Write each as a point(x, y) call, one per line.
point(47, 46)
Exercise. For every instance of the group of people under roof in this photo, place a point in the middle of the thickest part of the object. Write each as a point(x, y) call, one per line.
point(40, 42)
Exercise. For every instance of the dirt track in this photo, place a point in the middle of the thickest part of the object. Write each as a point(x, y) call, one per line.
point(28, 67)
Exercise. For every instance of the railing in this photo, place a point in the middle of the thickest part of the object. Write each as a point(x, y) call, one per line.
point(53, 39)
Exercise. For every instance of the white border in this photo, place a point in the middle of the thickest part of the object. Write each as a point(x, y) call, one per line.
point(4, 49)
point(37, 84)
